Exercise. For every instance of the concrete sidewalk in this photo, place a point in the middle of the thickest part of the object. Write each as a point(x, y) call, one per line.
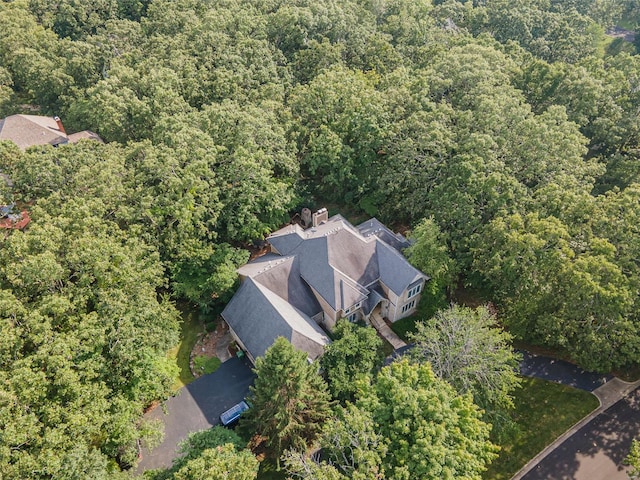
point(608, 395)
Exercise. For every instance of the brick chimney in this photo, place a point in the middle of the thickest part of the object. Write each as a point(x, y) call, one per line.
point(59, 122)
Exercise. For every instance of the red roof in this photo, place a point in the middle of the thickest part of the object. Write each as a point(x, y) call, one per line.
point(19, 224)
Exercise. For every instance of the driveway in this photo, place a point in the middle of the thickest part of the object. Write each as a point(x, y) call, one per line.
point(197, 407)
point(560, 371)
point(597, 450)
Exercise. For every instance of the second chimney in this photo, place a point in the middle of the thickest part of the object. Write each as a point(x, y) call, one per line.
point(320, 216)
point(59, 122)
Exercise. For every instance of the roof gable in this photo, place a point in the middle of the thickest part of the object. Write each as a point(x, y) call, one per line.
point(395, 271)
point(258, 316)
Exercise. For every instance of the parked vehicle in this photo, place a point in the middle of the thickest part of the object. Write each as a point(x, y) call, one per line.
point(231, 416)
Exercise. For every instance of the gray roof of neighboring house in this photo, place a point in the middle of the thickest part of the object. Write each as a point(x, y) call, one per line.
point(258, 316)
point(28, 130)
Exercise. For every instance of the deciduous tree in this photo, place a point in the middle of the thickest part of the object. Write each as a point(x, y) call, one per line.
point(470, 351)
point(355, 352)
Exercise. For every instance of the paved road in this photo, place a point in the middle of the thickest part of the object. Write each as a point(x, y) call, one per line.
point(596, 451)
point(560, 371)
point(197, 407)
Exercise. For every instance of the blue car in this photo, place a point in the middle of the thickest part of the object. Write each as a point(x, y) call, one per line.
point(231, 416)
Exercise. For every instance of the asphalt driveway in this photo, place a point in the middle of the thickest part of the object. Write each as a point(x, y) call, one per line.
point(597, 450)
point(197, 407)
point(560, 371)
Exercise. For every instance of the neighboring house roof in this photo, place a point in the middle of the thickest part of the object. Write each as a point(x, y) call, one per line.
point(15, 221)
point(334, 263)
point(29, 130)
point(85, 134)
point(267, 316)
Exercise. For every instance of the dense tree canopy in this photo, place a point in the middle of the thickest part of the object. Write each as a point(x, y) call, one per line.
point(356, 352)
point(504, 133)
point(214, 454)
point(466, 348)
point(405, 423)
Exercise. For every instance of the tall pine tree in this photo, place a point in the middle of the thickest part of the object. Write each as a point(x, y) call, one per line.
point(289, 400)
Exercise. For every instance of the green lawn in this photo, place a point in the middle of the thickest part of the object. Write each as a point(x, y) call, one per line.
point(205, 365)
point(426, 309)
point(191, 327)
point(544, 410)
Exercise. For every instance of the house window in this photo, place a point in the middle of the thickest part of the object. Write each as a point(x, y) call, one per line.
point(352, 309)
point(352, 317)
point(414, 291)
point(408, 306)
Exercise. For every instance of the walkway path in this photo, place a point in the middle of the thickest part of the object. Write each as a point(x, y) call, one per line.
point(222, 347)
point(389, 335)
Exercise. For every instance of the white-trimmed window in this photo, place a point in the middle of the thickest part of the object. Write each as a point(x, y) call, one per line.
point(408, 306)
point(352, 309)
point(414, 291)
point(352, 318)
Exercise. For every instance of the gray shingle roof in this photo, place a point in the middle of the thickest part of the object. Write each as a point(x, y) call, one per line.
point(395, 272)
point(284, 279)
point(373, 226)
point(258, 316)
point(286, 239)
point(334, 261)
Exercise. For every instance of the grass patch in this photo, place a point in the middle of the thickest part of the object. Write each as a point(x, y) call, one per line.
point(406, 325)
point(543, 411)
point(205, 365)
point(190, 328)
point(387, 348)
point(427, 308)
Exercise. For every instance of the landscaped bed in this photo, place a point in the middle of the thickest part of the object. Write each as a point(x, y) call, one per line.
point(544, 411)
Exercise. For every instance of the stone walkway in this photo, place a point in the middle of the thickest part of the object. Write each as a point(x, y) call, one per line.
point(389, 335)
point(222, 347)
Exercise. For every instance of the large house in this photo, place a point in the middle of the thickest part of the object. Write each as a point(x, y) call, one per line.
point(313, 277)
point(29, 130)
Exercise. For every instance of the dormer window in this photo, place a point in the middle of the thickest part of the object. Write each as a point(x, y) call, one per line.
point(414, 291)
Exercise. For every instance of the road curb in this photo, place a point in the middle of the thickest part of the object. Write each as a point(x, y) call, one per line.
point(608, 395)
